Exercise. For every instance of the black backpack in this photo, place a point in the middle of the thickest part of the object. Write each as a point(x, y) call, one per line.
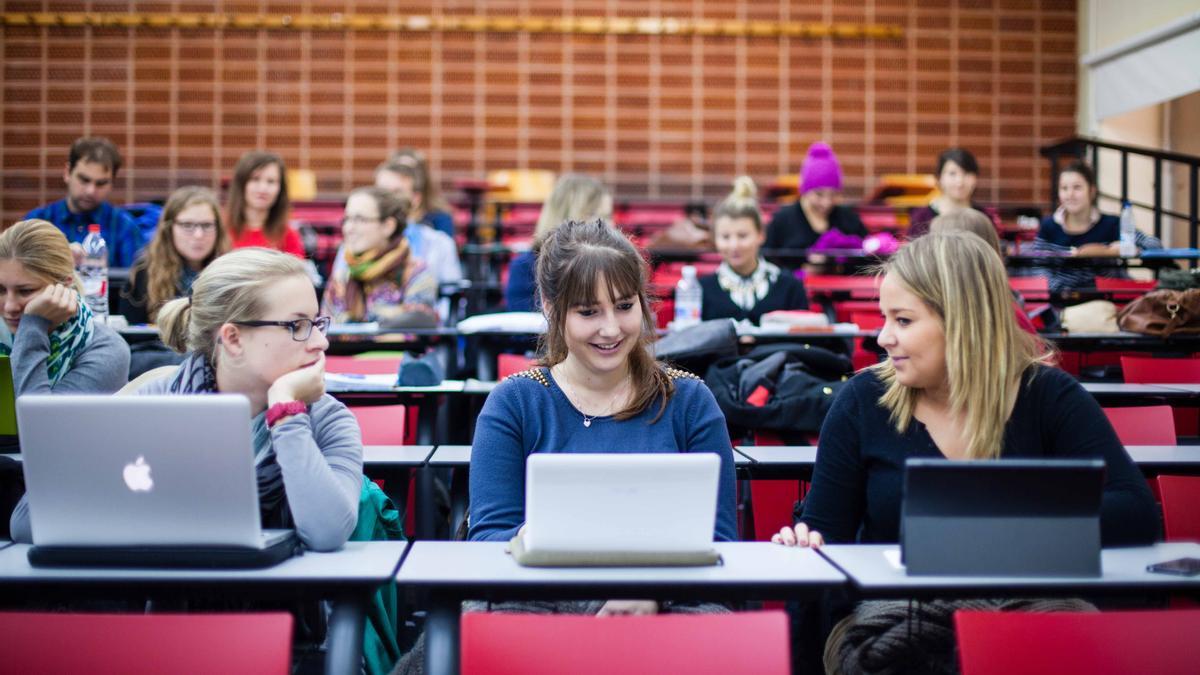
point(780, 387)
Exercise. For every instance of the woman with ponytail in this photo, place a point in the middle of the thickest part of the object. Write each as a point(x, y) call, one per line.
point(745, 286)
point(250, 327)
point(52, 342)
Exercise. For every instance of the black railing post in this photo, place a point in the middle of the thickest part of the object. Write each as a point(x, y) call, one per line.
point(1158, 173)
point(1194, 207)
point(1053, 181)
point(1124, 177)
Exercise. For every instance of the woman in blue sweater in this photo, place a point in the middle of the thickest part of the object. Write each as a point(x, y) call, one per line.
point(597, 388)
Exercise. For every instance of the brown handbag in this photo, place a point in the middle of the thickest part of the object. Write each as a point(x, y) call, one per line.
point(1163, 313)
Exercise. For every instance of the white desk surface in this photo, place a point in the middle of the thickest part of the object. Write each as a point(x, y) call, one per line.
point(1193, 388)
point(1136, 389)
point(459, 455)
point(341, 383)
point(396, 455)
point(780, 454)
point(1149, 455)
point(357, 563)
point(487, 564)
point(451, 455)
point(1122, 568)
point(806, 455)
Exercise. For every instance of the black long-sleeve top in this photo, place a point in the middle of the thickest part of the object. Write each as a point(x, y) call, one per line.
point(858, 477)
point(786, 293)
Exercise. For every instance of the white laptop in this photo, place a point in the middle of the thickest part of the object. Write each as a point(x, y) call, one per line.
point(619, 509)
point(144, 480)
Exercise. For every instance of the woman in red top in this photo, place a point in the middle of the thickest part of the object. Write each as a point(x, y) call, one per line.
point(258, 205)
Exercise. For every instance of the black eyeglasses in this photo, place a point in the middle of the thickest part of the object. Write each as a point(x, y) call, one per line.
point(206, 227)
point(301, 329)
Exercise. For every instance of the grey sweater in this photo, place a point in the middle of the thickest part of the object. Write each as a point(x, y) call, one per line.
point(102, 368)
point(320, 455)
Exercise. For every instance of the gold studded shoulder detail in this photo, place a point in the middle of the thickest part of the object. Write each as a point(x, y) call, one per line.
point(535, 374)
point(680, 374)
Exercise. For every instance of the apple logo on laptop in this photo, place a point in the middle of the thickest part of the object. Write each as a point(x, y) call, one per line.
point(137, 475)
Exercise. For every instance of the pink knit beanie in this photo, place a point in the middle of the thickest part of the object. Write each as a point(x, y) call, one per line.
point(820, 169)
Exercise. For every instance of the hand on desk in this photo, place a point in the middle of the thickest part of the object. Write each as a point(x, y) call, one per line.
point(628, 608)
point(1098, 250)
point(800, 536)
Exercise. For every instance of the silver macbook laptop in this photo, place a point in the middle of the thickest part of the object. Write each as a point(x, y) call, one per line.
point(609, 508)
point(126, 472)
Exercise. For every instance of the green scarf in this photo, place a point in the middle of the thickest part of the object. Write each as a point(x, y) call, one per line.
point(67, 342)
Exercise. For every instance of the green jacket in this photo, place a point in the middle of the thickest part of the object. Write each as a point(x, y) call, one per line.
point(379, 520)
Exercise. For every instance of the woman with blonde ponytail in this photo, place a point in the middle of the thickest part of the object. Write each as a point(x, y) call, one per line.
point(745, 286)
point(250, 326)
point(52, 342)
point(961, 381)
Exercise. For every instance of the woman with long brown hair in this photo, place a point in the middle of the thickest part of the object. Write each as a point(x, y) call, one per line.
point(597, 388)
point(259, 206)
point(189, 237)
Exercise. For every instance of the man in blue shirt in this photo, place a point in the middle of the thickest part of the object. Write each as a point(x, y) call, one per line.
point(91, 169)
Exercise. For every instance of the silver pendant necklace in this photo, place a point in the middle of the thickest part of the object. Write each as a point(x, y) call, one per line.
point(587, 419)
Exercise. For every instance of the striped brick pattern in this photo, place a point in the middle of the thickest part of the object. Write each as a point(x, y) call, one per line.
point(655, 116)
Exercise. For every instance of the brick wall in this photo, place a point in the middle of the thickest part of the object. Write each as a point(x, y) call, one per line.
point(655, 116)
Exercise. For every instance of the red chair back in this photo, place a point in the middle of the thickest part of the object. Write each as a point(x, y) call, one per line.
point(351, 364)
point(535, 644)
point(507, 364)
point(1146, 370)
point(100, 644)
point(381, 424)
point(1112, 284)
point(1181, 507)
point(1075, 643)
point(1143, 425)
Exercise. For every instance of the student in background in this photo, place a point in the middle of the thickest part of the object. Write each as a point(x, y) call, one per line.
point(53, 345)
point(970, 220)
point(259, 207)
point(745, 286)
point(1079, 228)
point(961, 381)
point(437, 249)
point(92, 166)
point(375, 277)
point(189, 237)
point(957, 175)
point(800, 225)
point(428, 206)
point(692, 232)
point(574, 197)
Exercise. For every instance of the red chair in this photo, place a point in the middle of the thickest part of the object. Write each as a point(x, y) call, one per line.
point(1181, 507)
point(1113, 284)
point(101, 644)
point(1146, 370)
point(507, 364)
point(1075, 643)
point(1031, 288)
point(697, 644)
point(1143, 425)
point(360, 366)
point(865, 321)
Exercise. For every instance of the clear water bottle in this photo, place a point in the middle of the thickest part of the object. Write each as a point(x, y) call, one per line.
point(688, 298)
point(1128, 232)
point(93, 272)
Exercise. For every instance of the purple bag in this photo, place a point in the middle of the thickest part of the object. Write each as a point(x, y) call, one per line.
point(836, 240)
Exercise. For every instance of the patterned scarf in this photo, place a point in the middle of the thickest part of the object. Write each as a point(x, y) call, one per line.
point(747, 291)
point(197, 376)
point(67, 342)
point(366, 268)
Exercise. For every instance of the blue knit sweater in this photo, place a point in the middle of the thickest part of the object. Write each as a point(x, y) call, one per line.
point(523, 416)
